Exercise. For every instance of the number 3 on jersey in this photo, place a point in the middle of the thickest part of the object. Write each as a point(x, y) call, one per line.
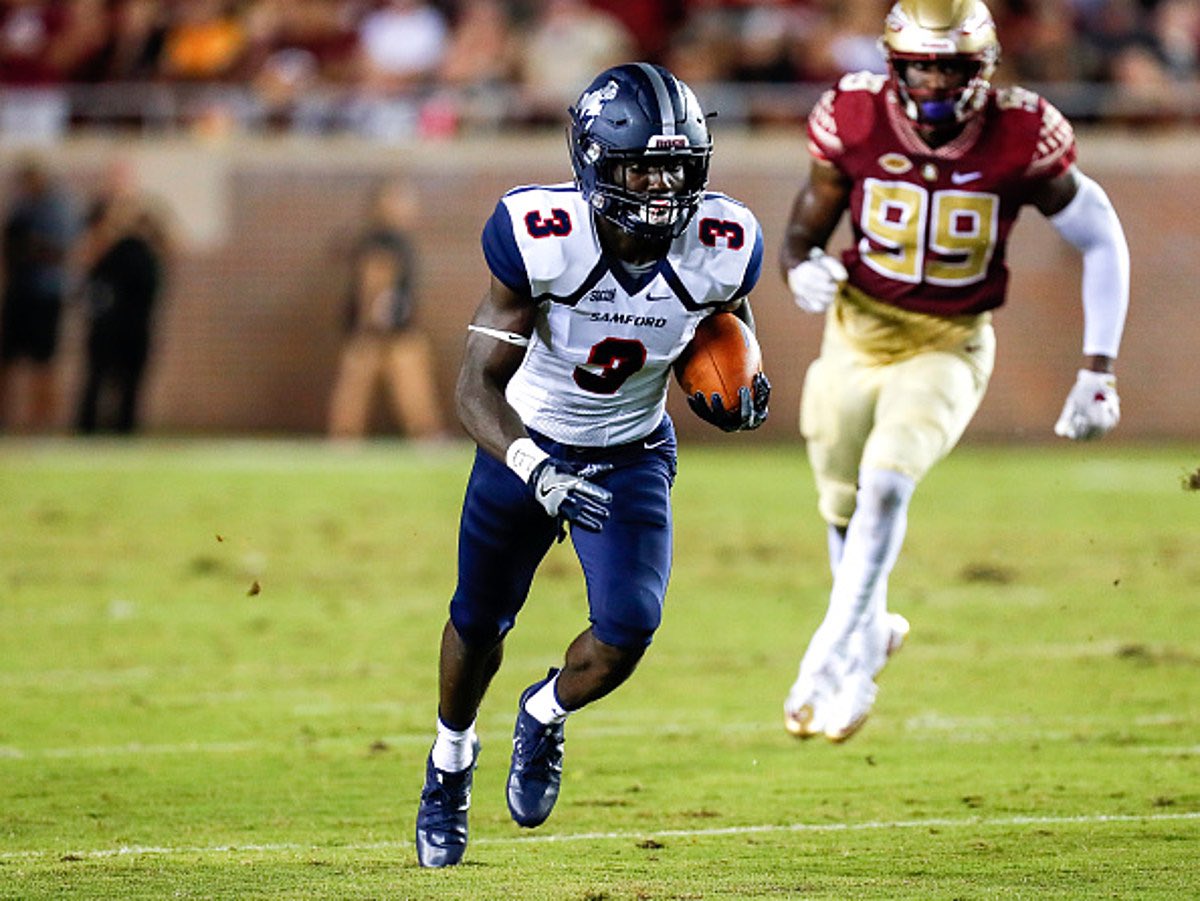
point(558, 225)
point(912, 235)
point(609, 364)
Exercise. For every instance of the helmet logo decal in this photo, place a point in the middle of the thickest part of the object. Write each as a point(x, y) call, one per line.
point(591, 103)
point(667, 142)
point(928, 43)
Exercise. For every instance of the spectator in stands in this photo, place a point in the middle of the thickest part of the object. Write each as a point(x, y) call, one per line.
point(204, 42)
point(701, 53)
point(137, 29)
point(286, 95)
point(325, 30)
point(27, 33)
point(842, 38)
point(404, 69)
point(261, 23)
point(1108, 28)
point(383, 346)
point(38, 230)
point(854, 44)
point(649, 22)
point(402, 44)
point(124, 254)
point(77, 38)
point(1144, 91)
point(298, 50)
point(1176, 25)
point(480, 62)
point(766, 34)
point(567, 43)
point(1044, 44)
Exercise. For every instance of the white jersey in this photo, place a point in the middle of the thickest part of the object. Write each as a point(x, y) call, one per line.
point(598, 364)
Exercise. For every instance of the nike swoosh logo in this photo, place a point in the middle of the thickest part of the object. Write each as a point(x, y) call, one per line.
point(651, 445)
point(962, 178)
point(659, 296)
point(544, 492)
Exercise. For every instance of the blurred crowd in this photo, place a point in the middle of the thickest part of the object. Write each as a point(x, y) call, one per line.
point(394, 68)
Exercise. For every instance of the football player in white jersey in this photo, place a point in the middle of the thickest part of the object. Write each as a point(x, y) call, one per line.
point(931, 165)
point(596, 288)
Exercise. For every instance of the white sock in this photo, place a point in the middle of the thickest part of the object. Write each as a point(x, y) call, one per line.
point(836, 538)
point(868, 644)
point(873, 541)
point(453, 751)
point(543, 704)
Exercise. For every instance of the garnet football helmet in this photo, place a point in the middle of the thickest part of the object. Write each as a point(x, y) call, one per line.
point(958, 31)
point(641, 115)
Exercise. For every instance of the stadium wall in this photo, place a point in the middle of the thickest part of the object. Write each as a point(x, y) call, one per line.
point(249, 332)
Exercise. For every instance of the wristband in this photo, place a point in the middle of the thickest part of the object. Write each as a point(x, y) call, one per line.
point(523, 456)
point(1092, 377)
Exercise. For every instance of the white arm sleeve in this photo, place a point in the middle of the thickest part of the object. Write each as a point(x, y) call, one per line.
point(1090, 223)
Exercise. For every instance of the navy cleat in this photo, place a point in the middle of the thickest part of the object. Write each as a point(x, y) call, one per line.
point(442, 815)
point(536, 772)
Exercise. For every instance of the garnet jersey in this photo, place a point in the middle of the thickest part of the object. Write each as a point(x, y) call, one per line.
point(931, 225)
point(596, 370)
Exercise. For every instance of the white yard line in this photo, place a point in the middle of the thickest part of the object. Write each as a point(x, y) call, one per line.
point(133, 749)
point(286, 848)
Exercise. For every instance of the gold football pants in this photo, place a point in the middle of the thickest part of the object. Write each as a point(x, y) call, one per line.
point(890, 390)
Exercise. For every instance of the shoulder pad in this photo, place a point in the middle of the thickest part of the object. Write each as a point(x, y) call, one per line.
point(552, 229)
point(1051, 137)
point(1016, 97)
point(1055, 145)
point(871, 82)
point(845, 114)
point(719, 257)
point(823, 140)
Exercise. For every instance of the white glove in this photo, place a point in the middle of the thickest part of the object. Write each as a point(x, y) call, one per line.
point(815, 282)
point(1092, 408)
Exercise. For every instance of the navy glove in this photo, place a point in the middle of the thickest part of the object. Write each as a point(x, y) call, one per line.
point(750, 412)
point(565, 492)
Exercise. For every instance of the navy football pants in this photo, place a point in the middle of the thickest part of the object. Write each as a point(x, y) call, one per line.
point(504, 534)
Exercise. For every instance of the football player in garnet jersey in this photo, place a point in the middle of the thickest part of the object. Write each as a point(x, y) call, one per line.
point(933, 165)
point(597, 286)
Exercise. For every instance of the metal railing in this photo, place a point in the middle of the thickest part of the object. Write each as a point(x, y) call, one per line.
point(50, 114)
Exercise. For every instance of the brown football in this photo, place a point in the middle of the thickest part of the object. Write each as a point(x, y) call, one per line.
point(722, 357)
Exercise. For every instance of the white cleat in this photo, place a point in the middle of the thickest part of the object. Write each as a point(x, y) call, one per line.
point(898, 629)
point(805, 711)
point(812, 710)
point(850, 707)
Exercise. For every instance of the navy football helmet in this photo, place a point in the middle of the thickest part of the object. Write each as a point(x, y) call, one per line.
point(640, 115)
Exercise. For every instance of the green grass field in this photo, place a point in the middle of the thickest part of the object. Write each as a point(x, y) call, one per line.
point(217, 676)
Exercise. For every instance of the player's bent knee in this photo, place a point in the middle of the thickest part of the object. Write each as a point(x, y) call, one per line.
point(836, 502)
point(625, 637)
point(885, 490)
point(475, 628)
